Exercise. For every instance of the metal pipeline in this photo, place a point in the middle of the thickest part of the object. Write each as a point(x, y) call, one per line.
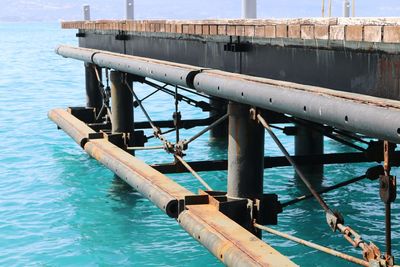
point(155, 186)
point(168, 72)
point(227, 240)
point(75, 128)
point(372, 116)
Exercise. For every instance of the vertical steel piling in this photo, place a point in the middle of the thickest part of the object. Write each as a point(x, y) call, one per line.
point(309, 142)
point(121, 104)
point(245, 154)
point(93, 94)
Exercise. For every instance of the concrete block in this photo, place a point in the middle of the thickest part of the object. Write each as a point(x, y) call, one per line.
point(281, 30)
point(321, 32)
point(354, 33)
point(294, 31)
point(213, 30)
point(270, 31)
point(206, 29)
point(249, 30)
point(240, 30)
point(231, 30)
point(221, 29)
point(372, 33)
point(259, 31)
point(337, 32)
point(307, 32)
point(391, 34)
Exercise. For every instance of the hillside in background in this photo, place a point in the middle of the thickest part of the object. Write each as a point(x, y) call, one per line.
point(54, 10)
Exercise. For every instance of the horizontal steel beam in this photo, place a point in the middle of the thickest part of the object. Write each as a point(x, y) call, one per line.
point(270, 162)
point(372, 116)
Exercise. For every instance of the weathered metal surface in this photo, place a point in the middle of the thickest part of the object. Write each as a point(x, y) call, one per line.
point(167, 72)
point(227, 240)
point(155, 186)
point(245, 154)
point(309, 142)
point(270, 162)
point(121, 103)
point(150, 183)
point(75, 128)
point(93, 95)
point(371, 116)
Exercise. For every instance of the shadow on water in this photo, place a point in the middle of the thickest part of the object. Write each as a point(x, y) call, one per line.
point(122, 192)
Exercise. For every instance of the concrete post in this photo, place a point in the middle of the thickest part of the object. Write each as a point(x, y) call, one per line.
point(86, 12)
point(93, 95)
point(249, 9)
point(346, 8)
point(130, 9)
point(309, 142)
point(121, 104)
point(245, 154)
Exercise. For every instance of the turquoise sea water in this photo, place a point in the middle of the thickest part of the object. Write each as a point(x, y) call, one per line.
point(59, 207)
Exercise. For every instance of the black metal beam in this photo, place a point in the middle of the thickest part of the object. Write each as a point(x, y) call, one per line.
point(270, 162)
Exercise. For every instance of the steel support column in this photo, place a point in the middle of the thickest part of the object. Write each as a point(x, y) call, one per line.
point(309, 142)
point(121, 104)
point(245, 154)
point(93, 95)
point(220, 132)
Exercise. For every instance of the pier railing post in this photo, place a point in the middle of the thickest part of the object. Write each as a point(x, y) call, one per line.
point(346, 8)
point(245, 154)
point(249, 9)
point(93, 95)
point(121, 104)
point(309, 142)
point(86, 12)
point(130, 9)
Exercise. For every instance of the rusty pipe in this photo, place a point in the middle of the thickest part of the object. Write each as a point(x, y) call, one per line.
point(155, 186)
point(158, 188)
point(227, 240)
point(75, 128)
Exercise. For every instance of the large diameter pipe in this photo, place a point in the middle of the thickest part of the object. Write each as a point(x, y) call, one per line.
point(155, 186)
point(75, 128)
point(158, 188)
point(245, 154)
point(121, 103)
point(168, 72)
point(227, 240)
point(372, 116)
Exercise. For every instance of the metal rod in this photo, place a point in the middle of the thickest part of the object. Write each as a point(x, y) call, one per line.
point(144, 148)
point(187, 166)
point(325, 190)
point(323, 8)
point(329, 8)
point(141, 107)
point(291, 161)
point(388, 228)
point(346, 8)
point(313, 245)
point(353, 6)
point(217, 122)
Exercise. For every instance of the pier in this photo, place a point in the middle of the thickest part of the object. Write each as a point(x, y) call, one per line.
point(311, 78)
